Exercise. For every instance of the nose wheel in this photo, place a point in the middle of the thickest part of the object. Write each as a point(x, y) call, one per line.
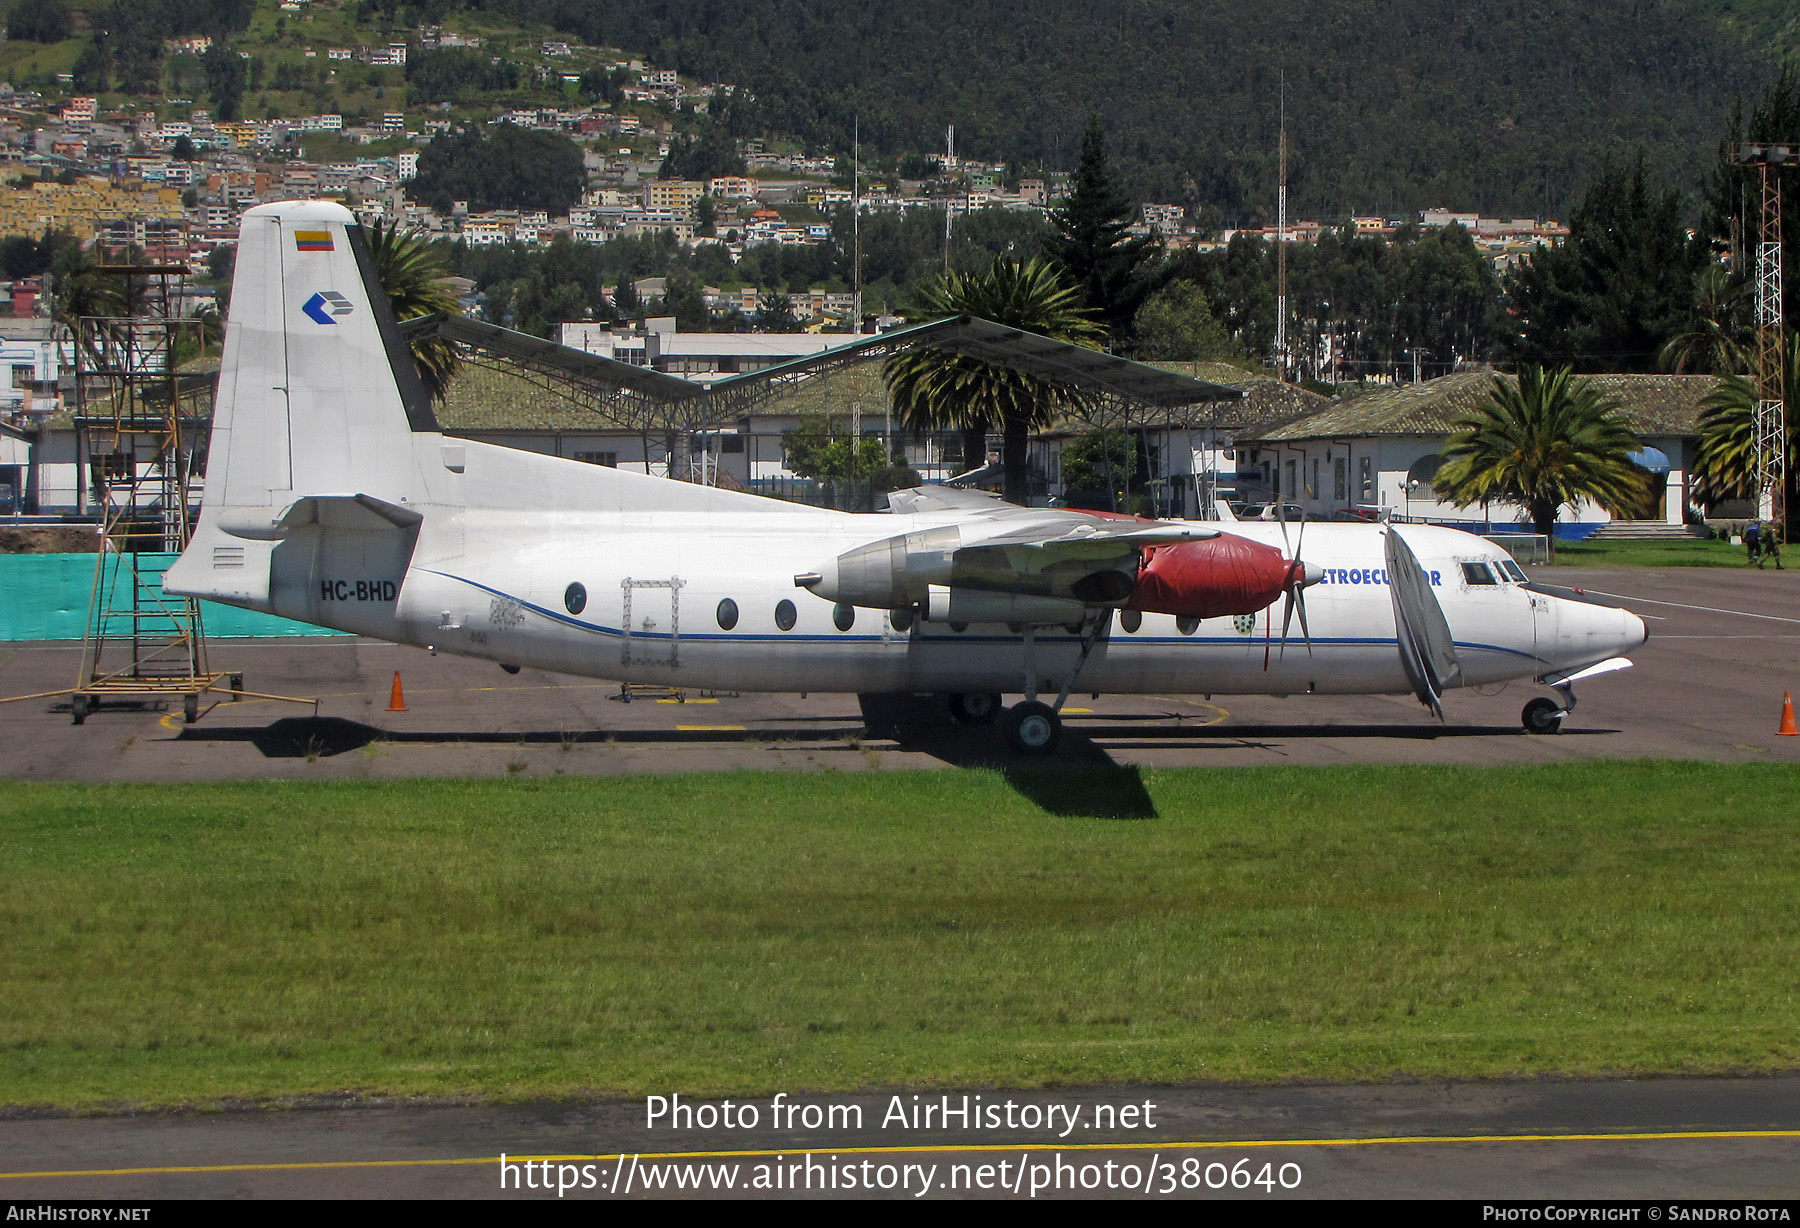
point(1542, 715)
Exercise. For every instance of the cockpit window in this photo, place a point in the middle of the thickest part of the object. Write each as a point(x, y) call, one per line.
point(1478, 573)
point(1513, 570)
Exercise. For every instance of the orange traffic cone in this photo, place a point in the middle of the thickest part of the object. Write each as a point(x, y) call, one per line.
point(397, 697)
point(1787, 729)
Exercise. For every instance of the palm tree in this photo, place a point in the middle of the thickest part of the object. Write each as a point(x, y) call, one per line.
point(1540, 441)
point(936, 389)
point(1725, 461)
point(412, 272)
point(1714, 340)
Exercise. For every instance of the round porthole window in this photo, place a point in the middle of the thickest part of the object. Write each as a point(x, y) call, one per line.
point(728, 614)
point(843, 616)
point(1187, 626)
point(785, 615)
point(575, 597)
point(900, 620)
point(1130, 620)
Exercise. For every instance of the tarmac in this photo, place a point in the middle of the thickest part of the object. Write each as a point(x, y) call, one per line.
point(1649, 1139)
point(1724, 646)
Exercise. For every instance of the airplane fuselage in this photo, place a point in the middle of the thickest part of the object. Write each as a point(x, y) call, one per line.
point(707, 599)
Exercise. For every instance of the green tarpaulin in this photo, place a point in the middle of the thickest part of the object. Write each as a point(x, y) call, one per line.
point(45, 597)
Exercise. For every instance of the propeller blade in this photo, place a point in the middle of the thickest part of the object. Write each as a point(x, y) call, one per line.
point(1300, 600)
point(1281, 516)
point(1287, 616)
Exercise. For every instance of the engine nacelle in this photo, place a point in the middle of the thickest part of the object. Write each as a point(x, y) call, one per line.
point(900, 571)
point(1223, 575)
point(965, 605)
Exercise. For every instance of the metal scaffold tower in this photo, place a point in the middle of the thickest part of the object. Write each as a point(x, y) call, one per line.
point(1769, 425)
point(140, 425)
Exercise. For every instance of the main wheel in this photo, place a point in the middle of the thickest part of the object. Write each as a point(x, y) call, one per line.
point(190, 709)
point(974, 708)
point(880, 713)
point(1542, 716)
point(1033, 728)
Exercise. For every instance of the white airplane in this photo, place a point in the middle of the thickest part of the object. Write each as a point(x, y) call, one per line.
point(332, 498)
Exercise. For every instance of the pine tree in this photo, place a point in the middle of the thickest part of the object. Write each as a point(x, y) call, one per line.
point(1105, 264)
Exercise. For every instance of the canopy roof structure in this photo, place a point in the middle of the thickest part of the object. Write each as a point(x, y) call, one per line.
point(642, 397)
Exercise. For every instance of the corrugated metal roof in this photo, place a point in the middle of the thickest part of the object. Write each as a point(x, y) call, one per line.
point(1651, 404)
point(1035, 355)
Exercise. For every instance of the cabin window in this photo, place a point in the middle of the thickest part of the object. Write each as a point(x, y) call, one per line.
point(727, 614)
point(1130, 620)
point(575, 597)
point(1187, 625)
point(843, 616)
point(1513, 571)
point(900, 620)
point(785, 615)
point(1478, 573)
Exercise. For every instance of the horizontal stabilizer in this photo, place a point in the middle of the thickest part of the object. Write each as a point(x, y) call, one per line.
point(359, 513)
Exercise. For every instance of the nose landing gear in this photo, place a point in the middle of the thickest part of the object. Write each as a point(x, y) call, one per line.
point(1542, 715)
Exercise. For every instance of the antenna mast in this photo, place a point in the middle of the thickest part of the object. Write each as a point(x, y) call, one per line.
point(856, 220)
point(949, 164)
point(1281, 311)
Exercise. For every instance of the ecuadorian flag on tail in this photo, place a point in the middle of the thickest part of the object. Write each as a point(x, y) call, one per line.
point(313, 240)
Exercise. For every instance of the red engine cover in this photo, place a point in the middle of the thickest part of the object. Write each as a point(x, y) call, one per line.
point(1222, 575)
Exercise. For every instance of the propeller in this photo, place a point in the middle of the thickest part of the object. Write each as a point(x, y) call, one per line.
point(1299, 576)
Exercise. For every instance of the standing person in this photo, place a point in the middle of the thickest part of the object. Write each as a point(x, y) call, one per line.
point(1771, 549)
point(1752, 541)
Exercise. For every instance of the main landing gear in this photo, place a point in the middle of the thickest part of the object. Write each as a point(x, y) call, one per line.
point(1031, 726)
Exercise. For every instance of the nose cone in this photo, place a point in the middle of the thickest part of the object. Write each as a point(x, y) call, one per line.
point(1587, 632)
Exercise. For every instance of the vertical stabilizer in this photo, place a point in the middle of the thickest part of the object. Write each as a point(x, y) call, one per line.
point(317, 394)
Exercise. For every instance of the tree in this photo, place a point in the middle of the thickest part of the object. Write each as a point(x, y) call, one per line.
point(852, 468)
point(225, 78)
point(1717, 337)
point(412, 271)
point(1099, 465)
point(41, 21)
point(1539, 441)
point(1611, 296)
point(706, 216)
point(507, 168)
point(1725, 460)
point(936, 389)
point(775, 314)
point(1177, 324)
point(1091, 245)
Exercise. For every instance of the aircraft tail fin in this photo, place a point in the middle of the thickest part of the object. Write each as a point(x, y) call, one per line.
point(317, 393)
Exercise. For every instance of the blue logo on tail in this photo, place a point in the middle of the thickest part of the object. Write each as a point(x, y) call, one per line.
point(327, 304)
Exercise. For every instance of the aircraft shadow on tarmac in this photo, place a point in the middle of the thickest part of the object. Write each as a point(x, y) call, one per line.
point(1084, 782)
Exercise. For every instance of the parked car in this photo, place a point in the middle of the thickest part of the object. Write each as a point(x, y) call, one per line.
point(1292, 512)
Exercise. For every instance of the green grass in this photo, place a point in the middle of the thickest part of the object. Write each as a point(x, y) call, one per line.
point(747, 932)
point(1691, 553)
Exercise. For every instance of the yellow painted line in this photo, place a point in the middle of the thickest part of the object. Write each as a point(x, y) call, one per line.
point(1180, 699)
point(709, 728)
point(1079, 711)
point(687, 701)
point(931, 1149)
